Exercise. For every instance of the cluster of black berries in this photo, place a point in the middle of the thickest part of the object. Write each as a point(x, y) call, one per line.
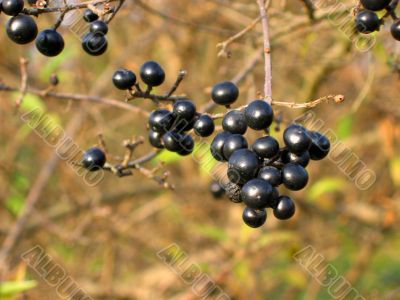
point(167, 129)
point(95, 41)
point(22, 29)
point(255, 172)
point(367, 20)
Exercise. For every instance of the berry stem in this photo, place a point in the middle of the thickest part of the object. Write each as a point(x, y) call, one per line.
point(267, 52)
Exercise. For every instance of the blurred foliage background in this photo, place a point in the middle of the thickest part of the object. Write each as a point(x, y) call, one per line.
point(106, 237)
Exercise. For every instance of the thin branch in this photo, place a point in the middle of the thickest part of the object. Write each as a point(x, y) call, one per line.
point(224, 45)
point(76, 97)
point(309, 104)
point(24, 80)
point(267, 52)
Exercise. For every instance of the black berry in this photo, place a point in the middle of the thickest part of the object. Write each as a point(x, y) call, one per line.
point(266, 147)
point(152, 74)
point(204, 126)
point(367, 22)
point(375, 5)
point(187, 145)
point(49, 42)
point(254, 217)
point(94, 43)
point(225, 93)
point(294, 177)
point(93, 159)
point(12, 7)
point(124, 79)
point(99, 27)
point(257, 193)
point(242, 166)
point(172, 141)
point(21, 29)
point(234, 122)
point(271, 174)
point(285, 208)
point(259, 115)
point(297, 139)
point(301, 159)
point(155, 139)
point(232, 143)
point(395, 30)
point(90, 16)
point(320, 146)
point(184, 110)
point(217, 145)
point(161, 120)
point(217, 190)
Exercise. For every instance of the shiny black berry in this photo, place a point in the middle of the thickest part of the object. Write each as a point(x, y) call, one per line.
point(375, 5)
point(93, 159)
point(243, 165)
point(259, 115)
point(184, 110)
point(90, 16)
point(257, 193)
point(155, 139)
point(233, 191)
point(266, 147)
point(320, 146)
point(99, 27)
point(254, 217)
point(217, 145)
point(186, 144)
point(21, 29)
point(182, 125)
point(294, 177)
point(49, 42)
point(301, 159)
point(367, 22)
point(232, 143)
point(172, 141)
point(234, 122)
point(152, 74)
point(94, 43)
point(225, 93)
point(161, 120)
point(12, 7)
point(297, 139)
point(217, 190)
point(285, 208)
point(124, 79)
point(395, 30)
point(204, 126)
point(271, 174)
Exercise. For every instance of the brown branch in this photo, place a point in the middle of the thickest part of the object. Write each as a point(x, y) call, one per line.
point(24, 80)
point(224, 45)
point(77, 97)
point(309, 104)
point(267, 52)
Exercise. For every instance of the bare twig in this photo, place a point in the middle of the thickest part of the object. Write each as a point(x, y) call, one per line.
point(309, 104)
point(24, 80)
point(267, 52)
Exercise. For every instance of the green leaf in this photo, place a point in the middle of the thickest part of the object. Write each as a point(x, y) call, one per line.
point(31, 102)
point(345, 127)
point(213, 232)
point(168, 157)
point(325, 185)
point(15, 203)
point(10, 288)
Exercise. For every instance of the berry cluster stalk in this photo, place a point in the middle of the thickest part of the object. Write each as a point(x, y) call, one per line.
point(267, 52)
